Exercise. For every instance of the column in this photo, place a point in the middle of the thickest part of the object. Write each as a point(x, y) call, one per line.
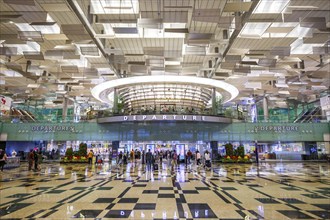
point(65, 109)
point(265, 108)
point(214, 149)
point(76, 112)
point(115, 101)
point(114, 150)
point(214, 102)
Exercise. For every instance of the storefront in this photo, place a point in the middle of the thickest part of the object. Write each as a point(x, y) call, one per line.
point(286, 140)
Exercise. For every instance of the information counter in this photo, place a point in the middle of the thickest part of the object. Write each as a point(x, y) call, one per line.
point(12, 162)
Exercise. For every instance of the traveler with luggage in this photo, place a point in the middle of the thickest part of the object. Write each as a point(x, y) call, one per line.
point(207, 158)
point(149, 159)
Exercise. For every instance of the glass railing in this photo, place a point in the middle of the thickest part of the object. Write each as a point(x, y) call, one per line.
point(89, 118)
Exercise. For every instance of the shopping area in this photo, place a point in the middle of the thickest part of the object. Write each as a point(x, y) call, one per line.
point(286, 141)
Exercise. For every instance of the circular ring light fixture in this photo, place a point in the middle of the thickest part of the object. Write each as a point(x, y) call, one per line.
point(102, 91)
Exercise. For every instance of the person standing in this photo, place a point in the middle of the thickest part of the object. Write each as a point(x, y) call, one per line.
point(132, 155)
point(198, 158)
point(120, 158)
point(189, 154)
point(174, 160)
point(149, 159)
point(3, 158)
point(30, 159)
point(35, 155)
point(39, 160)
point(161, 157)
point(207, 158)
point(90, 157)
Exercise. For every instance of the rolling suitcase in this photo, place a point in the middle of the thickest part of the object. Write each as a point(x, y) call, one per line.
point(155, 166)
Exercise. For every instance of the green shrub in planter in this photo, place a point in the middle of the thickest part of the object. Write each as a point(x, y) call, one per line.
point(69, 152)
point(240, 151)
point(82, 149)
point(229, 149)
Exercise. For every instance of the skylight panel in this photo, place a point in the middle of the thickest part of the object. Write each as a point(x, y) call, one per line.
point(254, 29)
point(271, 6)
point(301, 32)
point(114, 7)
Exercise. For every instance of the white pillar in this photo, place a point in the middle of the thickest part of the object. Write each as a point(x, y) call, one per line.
point(265, 108)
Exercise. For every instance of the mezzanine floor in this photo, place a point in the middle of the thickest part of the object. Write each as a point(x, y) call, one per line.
point(232, 191)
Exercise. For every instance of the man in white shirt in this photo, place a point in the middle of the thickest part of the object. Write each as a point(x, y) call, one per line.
point(207, 159)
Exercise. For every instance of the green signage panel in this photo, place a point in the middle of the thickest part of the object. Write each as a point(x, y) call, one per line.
point(181, 131)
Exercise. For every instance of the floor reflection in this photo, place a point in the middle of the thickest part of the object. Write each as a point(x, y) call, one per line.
point(227, 191)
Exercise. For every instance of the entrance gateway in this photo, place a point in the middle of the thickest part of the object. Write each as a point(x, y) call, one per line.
point(181, 147)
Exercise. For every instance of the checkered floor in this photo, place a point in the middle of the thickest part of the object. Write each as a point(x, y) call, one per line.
point(231, 191)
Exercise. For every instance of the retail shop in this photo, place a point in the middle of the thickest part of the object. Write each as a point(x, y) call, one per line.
point(286, 140)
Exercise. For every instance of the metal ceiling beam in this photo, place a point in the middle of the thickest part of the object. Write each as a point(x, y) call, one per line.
point(245, 17)
point(81, 16)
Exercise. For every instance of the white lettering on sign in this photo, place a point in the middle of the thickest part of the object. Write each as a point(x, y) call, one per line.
point(54, 128)
point(280, 128)
point(172, 118)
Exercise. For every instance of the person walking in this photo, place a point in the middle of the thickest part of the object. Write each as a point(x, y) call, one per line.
point(30, 159)
point(3, 158)
point(90, 157)
point(120, 158)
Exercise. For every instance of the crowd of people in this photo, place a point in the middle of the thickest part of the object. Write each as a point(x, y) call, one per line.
point(153, 159)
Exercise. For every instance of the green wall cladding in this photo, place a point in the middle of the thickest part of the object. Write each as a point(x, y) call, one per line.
point(146, 131)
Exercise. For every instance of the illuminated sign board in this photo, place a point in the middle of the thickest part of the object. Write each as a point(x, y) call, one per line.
point(280, 128)
point(55, 128)
point(140, 118)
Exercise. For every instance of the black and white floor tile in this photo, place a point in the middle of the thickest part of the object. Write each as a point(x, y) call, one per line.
point(228, 191)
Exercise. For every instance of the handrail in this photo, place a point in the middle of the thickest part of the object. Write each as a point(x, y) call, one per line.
point(51, 118)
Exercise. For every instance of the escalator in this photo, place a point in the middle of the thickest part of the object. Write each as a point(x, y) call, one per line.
point(20, 115)
point(309, 115)
point(29, 117)
point(314, 115)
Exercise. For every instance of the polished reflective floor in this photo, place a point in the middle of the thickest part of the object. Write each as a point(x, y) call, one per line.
point(231, 191)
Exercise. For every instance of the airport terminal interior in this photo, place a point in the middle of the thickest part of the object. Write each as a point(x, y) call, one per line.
point(165, 109)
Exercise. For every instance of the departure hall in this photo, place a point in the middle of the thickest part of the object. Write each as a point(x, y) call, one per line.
point(165, 109)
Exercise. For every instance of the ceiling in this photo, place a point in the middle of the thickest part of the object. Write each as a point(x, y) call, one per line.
point(51, 50)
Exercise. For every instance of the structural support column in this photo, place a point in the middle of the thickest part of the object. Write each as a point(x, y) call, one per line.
point(214, 149)
point(114, 153)
point(115, 101)
point(65, 109)
point(76, 112)
point(214, 102)
point(265, 108)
